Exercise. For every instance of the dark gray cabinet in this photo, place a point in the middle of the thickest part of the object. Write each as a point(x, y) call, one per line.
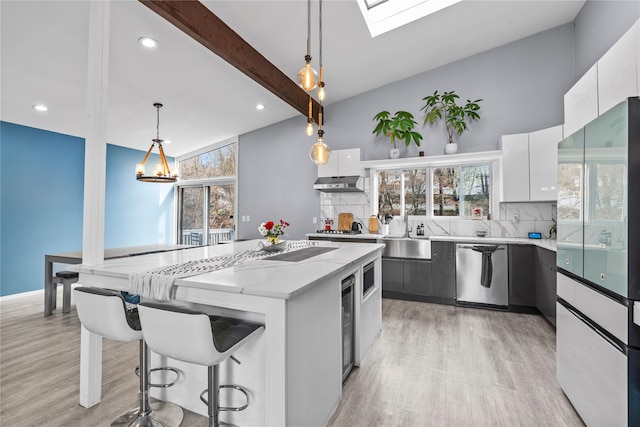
point(417, 277)
point(427, 280)
point(545, 275)
point(522, 284)
point(392, 275)
point(443, 271)
point(406, 276)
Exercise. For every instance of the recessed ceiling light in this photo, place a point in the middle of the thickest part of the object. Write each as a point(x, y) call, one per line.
point(260, 107)
point(148, 42)
point(166, 141)
point(40, 107)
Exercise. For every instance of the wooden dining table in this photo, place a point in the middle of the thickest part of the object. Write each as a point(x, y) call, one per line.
point(76, 258)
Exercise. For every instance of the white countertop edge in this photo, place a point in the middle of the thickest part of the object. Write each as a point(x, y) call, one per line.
point(549, 244)
point(323, 265)
point(268, 278)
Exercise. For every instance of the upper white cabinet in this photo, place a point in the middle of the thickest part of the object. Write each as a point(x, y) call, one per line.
point(515, 167)
point(529, 165)
point(615, 77)
point(581, 102)
point(618, 70)
point(543, 163)
point(342, 163)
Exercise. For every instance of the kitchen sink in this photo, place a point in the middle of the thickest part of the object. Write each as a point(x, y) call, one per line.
point(404, 247)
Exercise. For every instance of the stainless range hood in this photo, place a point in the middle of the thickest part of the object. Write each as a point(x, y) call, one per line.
point(339, 184)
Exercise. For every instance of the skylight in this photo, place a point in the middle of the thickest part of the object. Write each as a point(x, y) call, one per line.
point(386, 15)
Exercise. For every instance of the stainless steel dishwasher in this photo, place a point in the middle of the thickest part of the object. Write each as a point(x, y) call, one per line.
point(482, 274)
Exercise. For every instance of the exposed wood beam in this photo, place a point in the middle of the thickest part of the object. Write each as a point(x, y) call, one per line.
point(197, 21)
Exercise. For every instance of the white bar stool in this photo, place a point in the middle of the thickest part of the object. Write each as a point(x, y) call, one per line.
point(105, 313)
point(210, 341)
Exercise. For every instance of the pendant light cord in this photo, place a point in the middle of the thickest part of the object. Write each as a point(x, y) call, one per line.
point(320, 42)
point(308, 27)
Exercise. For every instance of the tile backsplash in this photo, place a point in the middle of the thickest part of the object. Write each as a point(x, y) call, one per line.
point(515, 219)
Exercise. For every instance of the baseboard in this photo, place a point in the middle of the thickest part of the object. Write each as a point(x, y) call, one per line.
point(29, 293)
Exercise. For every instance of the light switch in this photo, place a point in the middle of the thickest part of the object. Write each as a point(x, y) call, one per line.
point(248, 218)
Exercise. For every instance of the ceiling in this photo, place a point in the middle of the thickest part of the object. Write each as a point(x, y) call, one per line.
point(44, 60)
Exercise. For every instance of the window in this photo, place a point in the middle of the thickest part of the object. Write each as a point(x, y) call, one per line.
point(207, 189)
point(210, 164)
point(456, 191)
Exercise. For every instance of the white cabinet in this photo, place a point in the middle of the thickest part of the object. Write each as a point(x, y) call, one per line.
point(581, 101)
point(342, 163)
point(515, 167)
point(530, 165)
point(618, 70)
point(615, 77)
point(543, 163)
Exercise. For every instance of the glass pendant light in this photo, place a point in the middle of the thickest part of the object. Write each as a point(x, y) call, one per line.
point(320, 152)
point(307, 76)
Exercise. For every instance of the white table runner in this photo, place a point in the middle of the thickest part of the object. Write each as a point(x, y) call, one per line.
point(158, 284)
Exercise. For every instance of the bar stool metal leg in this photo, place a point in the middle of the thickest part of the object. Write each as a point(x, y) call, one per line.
point(214, 396)
point(149, 414)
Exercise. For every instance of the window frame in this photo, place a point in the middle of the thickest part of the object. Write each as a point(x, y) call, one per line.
point(491, 158)
point(205, 183)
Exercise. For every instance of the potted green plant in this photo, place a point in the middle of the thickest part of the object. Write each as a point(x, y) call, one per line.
point(397, 127)
point(455, 116)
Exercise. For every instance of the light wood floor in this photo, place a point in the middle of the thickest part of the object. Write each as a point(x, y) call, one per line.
point(432, 365)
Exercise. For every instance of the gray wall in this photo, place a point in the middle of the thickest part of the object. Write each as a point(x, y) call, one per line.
point(275, 179)
point(522, 84)
point(597, 27)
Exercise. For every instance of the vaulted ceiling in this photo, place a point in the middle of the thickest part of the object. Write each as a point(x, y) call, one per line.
point(44, 60)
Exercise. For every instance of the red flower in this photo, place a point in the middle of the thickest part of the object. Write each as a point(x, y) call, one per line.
point(268, 225)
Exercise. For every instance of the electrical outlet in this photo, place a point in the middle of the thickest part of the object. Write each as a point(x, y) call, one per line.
point(248, 218)
point(516, 218)
point(315, 220)
point(244, 218)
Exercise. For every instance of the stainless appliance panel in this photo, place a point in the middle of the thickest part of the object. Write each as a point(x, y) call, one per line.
point(368, 278)
point(591, 371)
point(348, 325)
point(606, 312)
point(469, 275)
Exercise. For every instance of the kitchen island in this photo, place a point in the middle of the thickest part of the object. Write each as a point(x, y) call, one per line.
point(293, 370)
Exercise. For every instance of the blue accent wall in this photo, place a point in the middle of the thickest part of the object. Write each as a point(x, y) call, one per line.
point(41, 201)
point(136, 213)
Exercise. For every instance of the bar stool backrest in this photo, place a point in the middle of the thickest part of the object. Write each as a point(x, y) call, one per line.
point(104, 312)
point(179, 333)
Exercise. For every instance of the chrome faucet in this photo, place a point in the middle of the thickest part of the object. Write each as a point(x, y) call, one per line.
point(407, 228)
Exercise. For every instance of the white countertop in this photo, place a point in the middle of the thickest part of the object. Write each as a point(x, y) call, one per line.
point(543, 243)
point(345, 236)
point(276, 279)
